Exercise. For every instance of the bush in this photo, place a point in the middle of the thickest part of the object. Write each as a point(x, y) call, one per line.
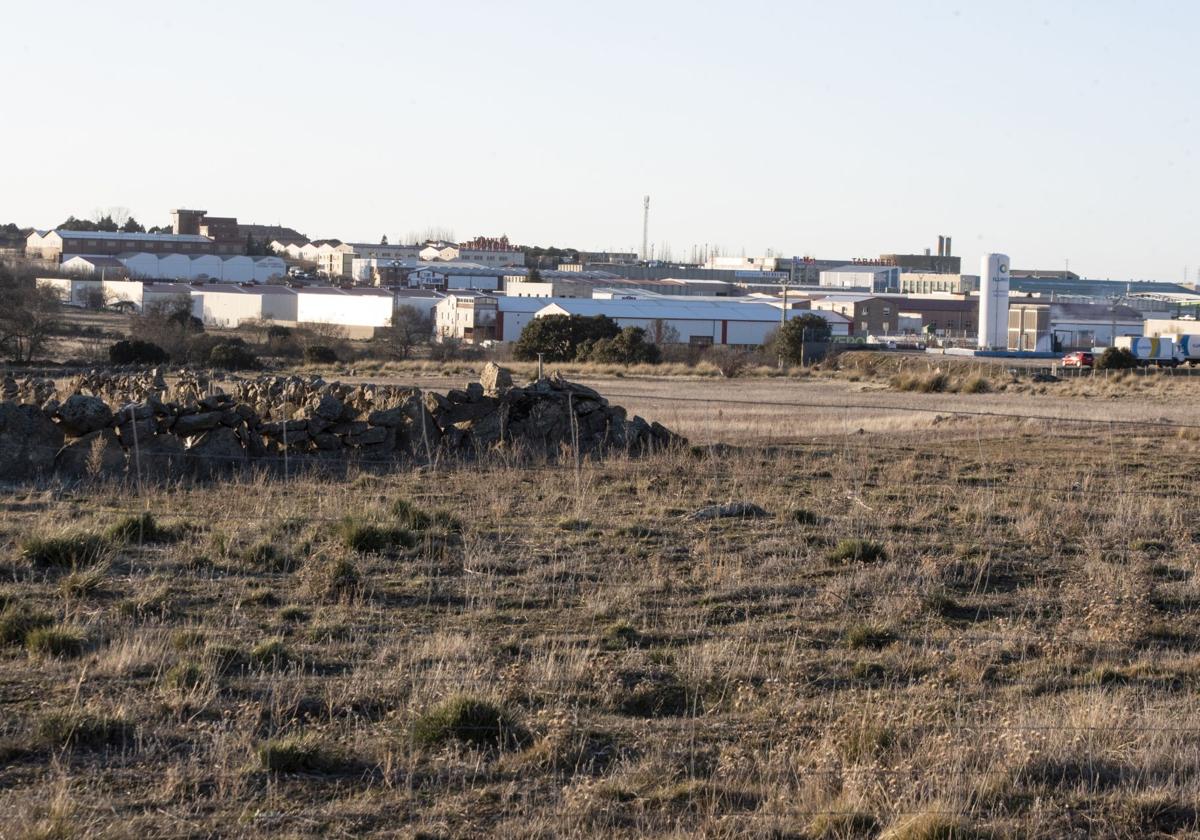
point(233, 355)
point(320, 354)
point(68, 551)
point(185, 676)
point(140, 527)
point(859, 551)
point(298, 755)
point(869, 636)
point(788, 342)
point(629, 347)
point(136, 352)
point(468, 720)
point(366, 538)
point(271, 653)
point(558, 337)
point(59, 640)
point(18, 621)
point(60, 729)
point(1116, 358)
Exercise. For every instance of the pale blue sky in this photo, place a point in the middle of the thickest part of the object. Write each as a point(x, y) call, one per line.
point(1051, 130)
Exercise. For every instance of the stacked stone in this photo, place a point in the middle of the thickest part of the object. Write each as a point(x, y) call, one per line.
point(198, 426)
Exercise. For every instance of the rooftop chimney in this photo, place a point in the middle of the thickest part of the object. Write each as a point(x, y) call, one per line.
point(947, 246)
point(941, 245)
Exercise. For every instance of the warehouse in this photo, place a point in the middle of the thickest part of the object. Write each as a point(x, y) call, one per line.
point(1061, 327)
point(360, 311)
point(474, 317)
point(697, 322)
point(98, 267)
point(57, 245)
point(232, 305)
point(877, 279)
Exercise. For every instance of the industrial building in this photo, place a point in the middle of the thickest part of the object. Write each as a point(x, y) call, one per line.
point(476, 317)
point(58, 245)
point(695, 322)
point(940, 263)
point(876, 279)
point(1061, 327)
point(359, 311)
point(114, 292)
point(210, 267)
point(929, 283)
point(232, 305)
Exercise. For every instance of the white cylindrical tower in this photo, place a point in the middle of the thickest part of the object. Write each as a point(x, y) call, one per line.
point(993, 302)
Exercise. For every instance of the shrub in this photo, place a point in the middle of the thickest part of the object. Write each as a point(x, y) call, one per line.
point(805, 517)
point(233, 355)
point(366, 538)
point(411, 517)
point(136, 352)
point(620, 636)
point(1116, 358)
point(271, 653)
point(184, 676)
point(790, 339)
point(66, 551)
point(224, 658)
point(859, 551)
point(629, 347)
point(558, 337)
point(17, 621)
point(58, 640)
point(977, 385)
point(655, 699)
point(869, 636)
point(330, 578)
point(320, 354)
point(83, 583)
point(187, 639)
point(138, 527)
point(468, 720)
point(298, 755)
point(263, 555)
point(62, 729)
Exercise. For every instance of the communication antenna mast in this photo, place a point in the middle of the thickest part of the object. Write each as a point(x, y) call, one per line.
point(646, 228)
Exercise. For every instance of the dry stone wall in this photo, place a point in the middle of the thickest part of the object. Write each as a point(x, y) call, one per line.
point(104, 423)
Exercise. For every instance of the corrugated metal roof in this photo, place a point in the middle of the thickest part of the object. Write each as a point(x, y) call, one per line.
point(668, 308)
point(134, 237)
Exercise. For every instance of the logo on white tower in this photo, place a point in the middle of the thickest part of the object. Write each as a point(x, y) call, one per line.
point(993, 302)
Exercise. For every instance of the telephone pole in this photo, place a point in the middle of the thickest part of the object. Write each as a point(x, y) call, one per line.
point(646, 229)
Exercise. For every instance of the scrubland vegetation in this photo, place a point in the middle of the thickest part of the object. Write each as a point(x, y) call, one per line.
point(984, 629)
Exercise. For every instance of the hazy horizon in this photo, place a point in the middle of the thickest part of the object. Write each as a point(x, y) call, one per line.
point(1052, 132)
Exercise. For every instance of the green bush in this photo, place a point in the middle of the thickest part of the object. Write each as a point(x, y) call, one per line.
point(138, 527)
point(468, 720)
point(233, 355)
point(271, 653)
point(67, 551)
point(320, 354)
point(367, 538)
point(558, 337)
point(136, 352)
point(1116, 358)
point(17, 621)
point(59, 640)
point(298, 755)
point(858, 551)
point(62, 729)
point(184, 676)
point(629, 347)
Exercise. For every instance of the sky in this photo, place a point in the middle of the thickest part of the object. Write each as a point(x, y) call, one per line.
point(1061, 133)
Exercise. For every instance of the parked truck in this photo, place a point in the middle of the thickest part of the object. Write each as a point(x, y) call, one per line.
point(1187, 349)
point(1160, 352)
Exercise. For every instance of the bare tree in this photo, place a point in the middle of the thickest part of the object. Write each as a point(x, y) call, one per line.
point(410, 327)
point(28, 315)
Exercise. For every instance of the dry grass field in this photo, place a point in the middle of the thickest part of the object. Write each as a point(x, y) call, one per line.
point(947, 626)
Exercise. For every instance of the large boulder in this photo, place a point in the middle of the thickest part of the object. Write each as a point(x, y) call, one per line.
point(29, 440)
point(193, 424)
point(217, 450)
point(495, 379)
point(81, 415)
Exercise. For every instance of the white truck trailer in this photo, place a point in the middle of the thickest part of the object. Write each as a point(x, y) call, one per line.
point(1160, 352)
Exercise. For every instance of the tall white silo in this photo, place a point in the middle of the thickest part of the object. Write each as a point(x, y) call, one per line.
point(993, 302)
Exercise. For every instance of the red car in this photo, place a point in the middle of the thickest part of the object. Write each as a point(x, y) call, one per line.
point(1079, 359)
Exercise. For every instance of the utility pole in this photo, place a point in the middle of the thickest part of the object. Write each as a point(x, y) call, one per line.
point(646, 229)
point(783, 284)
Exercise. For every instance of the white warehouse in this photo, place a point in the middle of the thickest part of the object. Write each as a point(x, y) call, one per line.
point(362, 308)
point(231, 305)
point(878, 279)
point(698, 322)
